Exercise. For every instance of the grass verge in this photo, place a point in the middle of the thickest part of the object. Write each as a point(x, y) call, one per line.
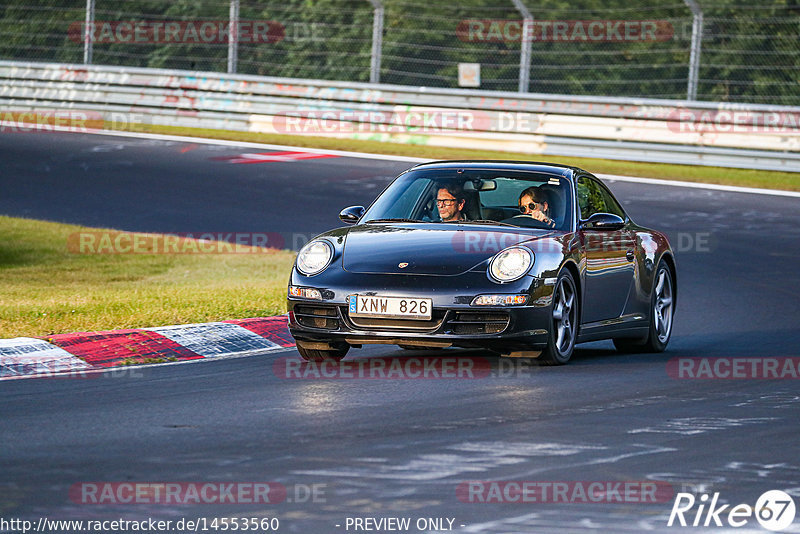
point(689, 173)
point(46, 289)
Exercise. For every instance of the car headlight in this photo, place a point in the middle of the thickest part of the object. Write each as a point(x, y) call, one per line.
point(314, 257)
point(510, 264)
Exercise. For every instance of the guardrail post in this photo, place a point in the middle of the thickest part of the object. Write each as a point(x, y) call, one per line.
point(233, 37)
point(694, 56)
point(377, 42)
point(525, 46)
point(88, 33)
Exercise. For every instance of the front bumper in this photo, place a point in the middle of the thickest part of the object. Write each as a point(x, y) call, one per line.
point(501, 329)
point(455, 321)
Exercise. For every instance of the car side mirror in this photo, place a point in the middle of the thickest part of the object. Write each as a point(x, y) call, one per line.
point(603, 221)
point(352, 214)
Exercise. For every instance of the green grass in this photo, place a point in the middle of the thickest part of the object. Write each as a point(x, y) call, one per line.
point(689, 173)
point(46, 289)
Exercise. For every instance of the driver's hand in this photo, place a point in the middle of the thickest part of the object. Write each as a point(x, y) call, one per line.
point(540, 216)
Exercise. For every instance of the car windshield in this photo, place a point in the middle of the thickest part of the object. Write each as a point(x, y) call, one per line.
point(476, 196)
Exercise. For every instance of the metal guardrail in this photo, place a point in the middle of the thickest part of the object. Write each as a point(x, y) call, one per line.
point(727, 135)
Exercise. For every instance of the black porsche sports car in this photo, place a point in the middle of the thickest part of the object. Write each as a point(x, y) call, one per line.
point(521, 258)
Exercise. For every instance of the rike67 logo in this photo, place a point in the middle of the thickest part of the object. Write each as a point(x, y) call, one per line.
point(774, 510)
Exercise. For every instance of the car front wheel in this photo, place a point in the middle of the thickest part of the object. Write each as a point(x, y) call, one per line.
point(563, 322)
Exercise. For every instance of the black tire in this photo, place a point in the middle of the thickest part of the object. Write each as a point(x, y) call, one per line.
point(662, 310)
point(564, 317)
point(320, 355)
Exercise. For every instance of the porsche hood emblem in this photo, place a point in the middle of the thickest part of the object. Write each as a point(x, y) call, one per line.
point(402, 265)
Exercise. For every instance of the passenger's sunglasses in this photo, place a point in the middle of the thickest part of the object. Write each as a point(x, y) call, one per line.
point(528, 207)
point(445, 201)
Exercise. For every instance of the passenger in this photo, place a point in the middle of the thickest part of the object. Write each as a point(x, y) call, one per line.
point(450, 201)
point(533, 203)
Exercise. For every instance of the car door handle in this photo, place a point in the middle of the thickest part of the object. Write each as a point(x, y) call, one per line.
point(630, 255)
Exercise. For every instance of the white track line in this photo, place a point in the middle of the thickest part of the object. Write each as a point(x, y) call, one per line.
point(247, 144)
point(698, 185)
point(385, 157)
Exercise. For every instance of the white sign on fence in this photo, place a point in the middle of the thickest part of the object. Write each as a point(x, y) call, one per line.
point(469, 74)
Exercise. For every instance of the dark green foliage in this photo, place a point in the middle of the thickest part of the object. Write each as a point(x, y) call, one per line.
point(750, 53)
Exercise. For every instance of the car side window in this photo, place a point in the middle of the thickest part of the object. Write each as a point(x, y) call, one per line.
point(405, 203)
point(611, 204)
point(590, 199)
point(594, 198)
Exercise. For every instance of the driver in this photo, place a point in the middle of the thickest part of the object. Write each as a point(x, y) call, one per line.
point(450, 201)
point(533, 203)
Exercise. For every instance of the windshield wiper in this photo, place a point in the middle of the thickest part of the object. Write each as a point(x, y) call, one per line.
point(392, 220)
point(489, 221)
point(482, 221)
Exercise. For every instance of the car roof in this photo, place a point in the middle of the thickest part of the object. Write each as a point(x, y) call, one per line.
point(501, 165)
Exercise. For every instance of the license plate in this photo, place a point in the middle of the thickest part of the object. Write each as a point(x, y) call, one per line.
point(390, 307)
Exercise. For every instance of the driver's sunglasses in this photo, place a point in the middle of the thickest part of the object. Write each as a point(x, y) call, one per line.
point(530, 206)
point(445, 201)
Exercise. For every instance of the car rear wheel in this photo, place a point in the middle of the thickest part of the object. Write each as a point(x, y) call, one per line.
point(321, 355)
point(662, 309)
point(563, 322)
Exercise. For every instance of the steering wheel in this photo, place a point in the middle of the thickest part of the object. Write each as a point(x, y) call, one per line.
point(527, 221)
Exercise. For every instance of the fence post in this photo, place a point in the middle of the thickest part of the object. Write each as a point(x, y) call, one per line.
point(88, 33)
point(377, 42)
point(525, 46)
point(233, 37)
point(694, 56)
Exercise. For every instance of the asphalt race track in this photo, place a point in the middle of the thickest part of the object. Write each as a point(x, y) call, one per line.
point(381, 448)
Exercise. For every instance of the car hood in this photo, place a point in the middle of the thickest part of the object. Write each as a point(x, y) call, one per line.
point(428, 249)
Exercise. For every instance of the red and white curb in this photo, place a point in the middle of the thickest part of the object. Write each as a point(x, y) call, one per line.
point(23, 356)
point(87, 351)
